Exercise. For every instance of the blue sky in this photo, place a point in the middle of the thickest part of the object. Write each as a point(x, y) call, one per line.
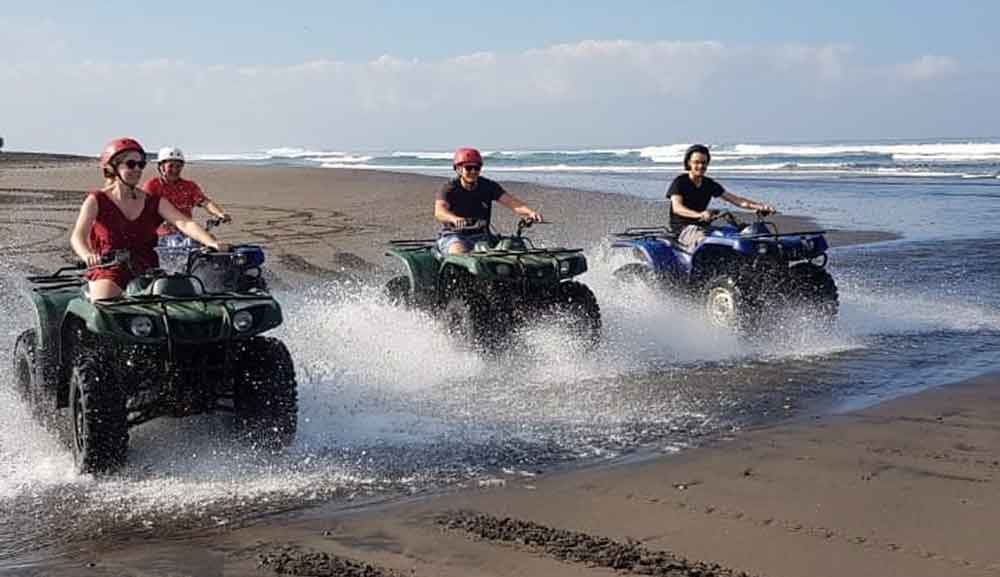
point(225, 77)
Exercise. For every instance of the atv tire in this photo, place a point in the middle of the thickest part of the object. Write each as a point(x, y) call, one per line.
point(98, 416)
point(467, 317)
point(579, 306)
point(24, 365)
point(397, 290)
point(635, 272)
point(813, 288)
point(265, 394)
point(730, 303)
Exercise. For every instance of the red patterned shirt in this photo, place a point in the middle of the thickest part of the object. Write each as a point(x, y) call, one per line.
point(183, 194)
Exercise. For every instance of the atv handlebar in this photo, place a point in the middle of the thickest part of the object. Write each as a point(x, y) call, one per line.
point(469, 225)
point(109, 259)
point(214, 222)
point(526, 223)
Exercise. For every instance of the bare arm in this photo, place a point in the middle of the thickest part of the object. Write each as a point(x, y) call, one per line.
point(517, 205)
point(184, 224)
point(214, 209)
point(444, 215)
point(745, 202)
point(80, 238)
point(678, 208)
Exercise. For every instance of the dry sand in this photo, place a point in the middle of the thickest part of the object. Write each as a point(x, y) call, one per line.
point(327, 222)
point(907, 488)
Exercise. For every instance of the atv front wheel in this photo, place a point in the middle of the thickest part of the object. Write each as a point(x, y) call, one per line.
point(813, 288)
point(579, 306)
point(99, 417)
point(265, 395)
point(729, 303)
point(24, 364)
point(467, 317)
point(397, 290)
point(634, 272)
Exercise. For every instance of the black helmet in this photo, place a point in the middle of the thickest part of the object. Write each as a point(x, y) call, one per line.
point(693, 149)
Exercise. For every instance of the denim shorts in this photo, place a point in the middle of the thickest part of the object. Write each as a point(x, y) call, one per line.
point(445, 241)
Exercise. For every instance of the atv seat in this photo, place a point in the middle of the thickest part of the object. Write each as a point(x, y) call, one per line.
point(175, 286)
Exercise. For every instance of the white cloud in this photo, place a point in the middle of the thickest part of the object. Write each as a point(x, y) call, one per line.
point(927, 67)
point(590, 92)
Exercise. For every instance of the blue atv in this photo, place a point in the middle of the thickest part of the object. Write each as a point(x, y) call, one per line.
point(238, 270)
point(739, 271)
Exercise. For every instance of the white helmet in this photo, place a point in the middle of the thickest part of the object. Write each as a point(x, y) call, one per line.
point(169, 153)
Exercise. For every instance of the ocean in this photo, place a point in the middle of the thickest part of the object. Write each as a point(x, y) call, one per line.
point(391, 407)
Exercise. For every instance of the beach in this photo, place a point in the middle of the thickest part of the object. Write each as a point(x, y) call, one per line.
point(907, 487)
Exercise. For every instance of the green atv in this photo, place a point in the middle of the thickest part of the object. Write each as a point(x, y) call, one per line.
point(502, 283)
point(168, 346)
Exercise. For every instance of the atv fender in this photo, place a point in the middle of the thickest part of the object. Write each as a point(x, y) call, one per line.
point(422, 270)
point(657, 254)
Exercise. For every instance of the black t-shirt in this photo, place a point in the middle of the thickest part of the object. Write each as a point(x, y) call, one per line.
point(694, 197)
point(476, 203)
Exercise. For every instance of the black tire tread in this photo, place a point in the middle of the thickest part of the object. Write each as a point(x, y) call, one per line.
point(265, 395)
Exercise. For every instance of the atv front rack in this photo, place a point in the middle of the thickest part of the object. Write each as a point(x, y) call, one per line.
point(781, 234)
point(167, 299)
point(412, 243)
point(646, 231)
point(529, 251)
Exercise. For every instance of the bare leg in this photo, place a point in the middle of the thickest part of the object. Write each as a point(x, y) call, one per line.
point(104, 289)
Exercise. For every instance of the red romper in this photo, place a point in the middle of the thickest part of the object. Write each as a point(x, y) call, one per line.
point(183, 194)
point(113, 231)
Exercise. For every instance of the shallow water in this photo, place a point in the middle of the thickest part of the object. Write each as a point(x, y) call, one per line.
point(390, 405)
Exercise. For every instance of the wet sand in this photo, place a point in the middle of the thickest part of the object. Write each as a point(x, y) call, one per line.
point(909, 487)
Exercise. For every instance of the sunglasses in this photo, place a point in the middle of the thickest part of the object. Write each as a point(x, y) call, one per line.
point(134, 164)
point(472, 167)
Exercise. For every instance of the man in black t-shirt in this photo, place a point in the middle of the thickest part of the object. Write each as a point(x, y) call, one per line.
point(470, 197)
point(690, 193)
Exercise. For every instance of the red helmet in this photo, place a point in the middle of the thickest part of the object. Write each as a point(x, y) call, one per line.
point(466, 156)
point(119, 145)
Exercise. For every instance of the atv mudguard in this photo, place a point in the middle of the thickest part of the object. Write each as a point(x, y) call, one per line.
point(658, 254)
point(422, 266)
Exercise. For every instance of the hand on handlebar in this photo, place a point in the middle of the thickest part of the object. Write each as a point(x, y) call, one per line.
point(766, 210)
point(460, 223)
point(535, 216)
point(91, 259)
point(708, 215)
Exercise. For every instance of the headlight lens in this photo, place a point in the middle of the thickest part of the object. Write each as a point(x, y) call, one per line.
point(503, 269)
point(141, 326)
point(564, 267)
point(243, 321)
point(762, 248)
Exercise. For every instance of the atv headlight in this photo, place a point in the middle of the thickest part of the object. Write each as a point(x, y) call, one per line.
point(503, 269)
point(243, 321)
point(762, 248)
point(141, 326)
point(565, 267)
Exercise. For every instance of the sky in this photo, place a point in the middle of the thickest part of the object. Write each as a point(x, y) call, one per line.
point(228, 76)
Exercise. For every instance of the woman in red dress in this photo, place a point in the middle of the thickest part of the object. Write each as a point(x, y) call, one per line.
point(122, 216)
